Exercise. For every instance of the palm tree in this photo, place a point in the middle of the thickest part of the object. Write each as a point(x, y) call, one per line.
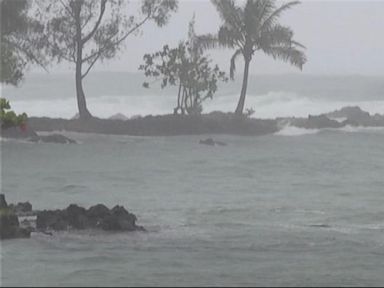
point(252, 28)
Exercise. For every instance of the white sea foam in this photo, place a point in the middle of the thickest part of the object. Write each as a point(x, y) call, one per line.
point(361, 129)
point(296, 131)
point(112, 93)
point(270, 105)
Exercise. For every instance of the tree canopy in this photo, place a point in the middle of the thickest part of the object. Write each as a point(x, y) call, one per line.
point(86, 31)
point(21, 41)
point(186, 67)
point(255, 27)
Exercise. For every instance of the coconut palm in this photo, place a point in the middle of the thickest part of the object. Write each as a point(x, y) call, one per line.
point(254, 27)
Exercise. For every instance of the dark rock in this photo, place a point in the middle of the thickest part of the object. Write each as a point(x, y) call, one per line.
point(351, 113)
point(9, 223)
point(98, 216)
point(54, 220)
point(357, 117)
point(119, 220)
point(77, 217)
point(24, 207)
point(212, 142)
point(3, 203)
point(208, 141)
point(162, 125)
point(316, 122)
point(54, 138)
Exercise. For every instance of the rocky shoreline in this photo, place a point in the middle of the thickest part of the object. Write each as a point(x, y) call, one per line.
point(19, 221)
point(172, 125)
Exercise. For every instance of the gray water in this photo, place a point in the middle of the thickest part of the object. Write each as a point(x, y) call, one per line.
point(274, 210)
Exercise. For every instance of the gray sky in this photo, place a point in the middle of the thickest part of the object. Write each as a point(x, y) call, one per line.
point(342, 37)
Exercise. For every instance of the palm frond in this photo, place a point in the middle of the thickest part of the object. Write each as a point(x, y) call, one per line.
point(271, 20)
point(229, 38)
point(288, 54)
point(255, 12)
point(232, 68)
point(208, 41)
point(231, 15)
point(276, 35)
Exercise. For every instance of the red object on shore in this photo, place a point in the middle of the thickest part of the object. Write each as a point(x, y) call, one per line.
point(23, 127)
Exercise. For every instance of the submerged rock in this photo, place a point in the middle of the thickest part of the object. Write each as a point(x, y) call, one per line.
point(212, 142)
point(29, 134)
point(54, 138)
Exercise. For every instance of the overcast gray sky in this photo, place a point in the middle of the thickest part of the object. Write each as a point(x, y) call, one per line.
point(342, 37)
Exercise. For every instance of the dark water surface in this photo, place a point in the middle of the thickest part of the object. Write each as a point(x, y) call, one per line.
point(274, 210)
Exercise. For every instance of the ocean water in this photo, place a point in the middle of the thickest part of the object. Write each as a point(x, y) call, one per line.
point(299, 208)
point(109, 93)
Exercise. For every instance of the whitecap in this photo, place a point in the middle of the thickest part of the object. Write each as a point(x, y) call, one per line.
point(296, 131)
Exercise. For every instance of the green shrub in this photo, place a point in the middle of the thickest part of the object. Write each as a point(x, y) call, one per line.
point(10, 118)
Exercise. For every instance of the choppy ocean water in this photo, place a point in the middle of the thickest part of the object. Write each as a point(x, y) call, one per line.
point(294, 209)
point(109, 93)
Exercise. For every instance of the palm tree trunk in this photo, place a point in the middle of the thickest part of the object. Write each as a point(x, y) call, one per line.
point(240, 104)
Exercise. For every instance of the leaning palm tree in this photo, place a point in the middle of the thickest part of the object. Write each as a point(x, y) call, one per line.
point(254, 27)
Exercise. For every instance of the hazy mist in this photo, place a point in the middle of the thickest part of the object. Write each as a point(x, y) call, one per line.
point(342, 37)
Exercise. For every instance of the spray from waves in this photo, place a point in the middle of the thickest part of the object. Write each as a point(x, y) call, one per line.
point(270, 105)
point(296, 131)
point(284, 104)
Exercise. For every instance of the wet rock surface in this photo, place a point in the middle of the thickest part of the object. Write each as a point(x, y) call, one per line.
point(9, 222)
point(29, 134)
point(79, 218)
point(19, 220)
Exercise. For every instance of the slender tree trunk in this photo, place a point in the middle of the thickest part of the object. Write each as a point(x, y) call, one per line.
point(81, 102)
point(176, 110)
point(240, 104)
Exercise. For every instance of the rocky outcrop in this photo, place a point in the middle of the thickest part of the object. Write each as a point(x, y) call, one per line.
point(21, 209)
point(316, 122)
point(79, 218)
point(53, 138)
point(28, 134)
point(211, 142)
point(357, 117)
point(162, 125)
point(9, 223)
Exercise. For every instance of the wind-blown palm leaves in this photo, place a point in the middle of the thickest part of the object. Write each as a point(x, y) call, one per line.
point(254, 27)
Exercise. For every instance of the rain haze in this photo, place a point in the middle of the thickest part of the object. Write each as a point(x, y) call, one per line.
point(199, 143)
point(341, 37)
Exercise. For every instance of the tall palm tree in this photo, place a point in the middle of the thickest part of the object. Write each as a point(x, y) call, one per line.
point(254, 27)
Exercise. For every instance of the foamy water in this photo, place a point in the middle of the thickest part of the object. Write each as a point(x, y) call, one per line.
point(270, 96)
point(296, 131)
